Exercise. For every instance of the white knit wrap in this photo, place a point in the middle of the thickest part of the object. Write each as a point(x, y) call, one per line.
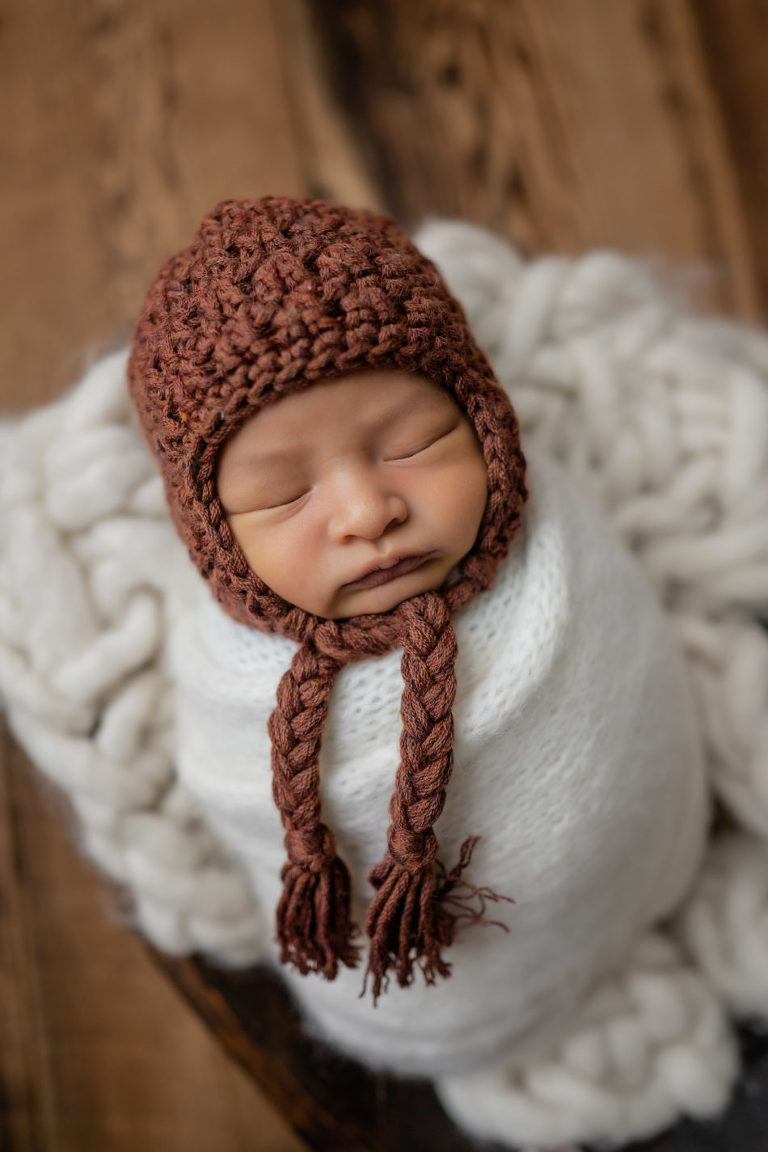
point(577, 762)
point(662, 418)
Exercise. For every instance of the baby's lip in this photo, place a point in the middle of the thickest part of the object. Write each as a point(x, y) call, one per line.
point(388, 568)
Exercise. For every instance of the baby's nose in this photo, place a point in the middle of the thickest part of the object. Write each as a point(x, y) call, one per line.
point(364, 506)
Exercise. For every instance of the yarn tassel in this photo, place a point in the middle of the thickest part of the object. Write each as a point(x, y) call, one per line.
point(407, 925)
point(410, 921)
point(314, 929)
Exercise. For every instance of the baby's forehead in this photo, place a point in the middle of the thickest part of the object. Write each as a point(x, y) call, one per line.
point(362, 400)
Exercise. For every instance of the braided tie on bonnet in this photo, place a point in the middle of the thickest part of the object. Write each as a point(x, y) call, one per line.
point(271, 296)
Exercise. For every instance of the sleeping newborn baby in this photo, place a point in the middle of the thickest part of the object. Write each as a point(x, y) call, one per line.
point(432, 705)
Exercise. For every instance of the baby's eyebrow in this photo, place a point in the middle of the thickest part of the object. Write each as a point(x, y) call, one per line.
point(414, 405)
point(270, 456)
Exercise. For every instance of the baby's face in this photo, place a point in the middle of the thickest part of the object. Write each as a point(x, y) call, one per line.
point(355, 494)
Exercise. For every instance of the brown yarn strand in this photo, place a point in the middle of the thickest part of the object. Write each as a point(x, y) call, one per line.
point(407, 923)
point(411, 918)
point(314, 929)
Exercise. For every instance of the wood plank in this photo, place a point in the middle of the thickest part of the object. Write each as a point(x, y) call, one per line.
point(734, 39)
point(124, 123)
point(126, 1064)
point(25, 1102)
point(564, 126)
point(333, 166)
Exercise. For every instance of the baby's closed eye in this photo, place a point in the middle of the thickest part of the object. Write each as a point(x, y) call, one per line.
point(262, 490)
point(404, 446)
point(279, 498)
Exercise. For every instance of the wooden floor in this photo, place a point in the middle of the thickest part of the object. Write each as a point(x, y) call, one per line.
point(121, 124)
point(640, 125)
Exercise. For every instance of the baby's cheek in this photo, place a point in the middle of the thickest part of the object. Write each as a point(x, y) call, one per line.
point(254, 542)
point(471, 497)
point(291, 560)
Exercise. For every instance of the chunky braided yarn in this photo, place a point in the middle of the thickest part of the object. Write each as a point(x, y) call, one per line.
point(401, 912)
point(271, 296)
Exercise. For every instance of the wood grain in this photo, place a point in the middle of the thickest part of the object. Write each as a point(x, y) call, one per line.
point(113, 1057)
point(25, 1104)
point(733, 35)
point(126, 122)
point(334, 168)
point(123, 123)
point(563, 126)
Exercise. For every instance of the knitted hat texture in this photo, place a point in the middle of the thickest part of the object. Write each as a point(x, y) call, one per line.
point(271, 296)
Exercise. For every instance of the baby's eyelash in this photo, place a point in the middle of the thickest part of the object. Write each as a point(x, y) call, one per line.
point(284, 503)
point(421, 446)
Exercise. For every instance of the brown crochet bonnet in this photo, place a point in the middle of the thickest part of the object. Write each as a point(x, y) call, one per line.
point(271, 296)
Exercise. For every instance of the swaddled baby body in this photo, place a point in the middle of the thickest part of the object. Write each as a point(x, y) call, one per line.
point(447, 732)
point(576, 762)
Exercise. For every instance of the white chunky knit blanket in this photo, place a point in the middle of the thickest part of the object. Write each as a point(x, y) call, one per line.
point(662, 419)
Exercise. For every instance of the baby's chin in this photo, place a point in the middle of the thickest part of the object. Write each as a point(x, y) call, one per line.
point(375, 601)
